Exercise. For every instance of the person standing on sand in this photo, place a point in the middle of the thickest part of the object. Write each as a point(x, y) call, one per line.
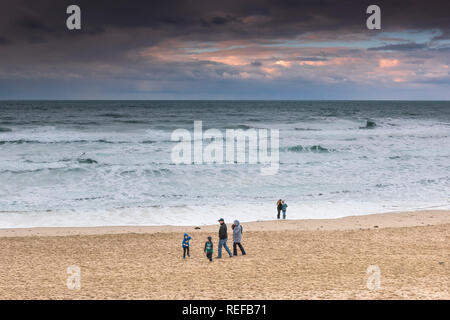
point(237, 237)
point(279, 207)
point(185, 245)
point(284, 207)
point(223, 237)
point(209, 248)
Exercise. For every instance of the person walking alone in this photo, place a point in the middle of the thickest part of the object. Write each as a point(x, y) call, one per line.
point(223, 237)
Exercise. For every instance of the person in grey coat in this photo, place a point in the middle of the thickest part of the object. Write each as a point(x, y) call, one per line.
point(237, 237)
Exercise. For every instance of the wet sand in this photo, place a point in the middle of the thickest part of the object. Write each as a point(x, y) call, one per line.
point(302, 259)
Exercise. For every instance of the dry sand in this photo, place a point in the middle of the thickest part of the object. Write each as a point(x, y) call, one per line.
point(303, 259)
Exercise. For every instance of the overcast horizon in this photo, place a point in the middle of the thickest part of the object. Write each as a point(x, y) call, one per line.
point(238, 50)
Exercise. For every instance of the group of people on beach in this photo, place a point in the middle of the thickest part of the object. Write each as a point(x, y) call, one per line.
point(281, 207)
point(223, 238)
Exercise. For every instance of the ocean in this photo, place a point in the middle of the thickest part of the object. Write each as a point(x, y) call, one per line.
point(106, 163)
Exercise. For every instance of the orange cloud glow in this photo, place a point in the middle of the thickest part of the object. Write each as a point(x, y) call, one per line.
point(388, 63)
point(313, 63)
point(283, 63)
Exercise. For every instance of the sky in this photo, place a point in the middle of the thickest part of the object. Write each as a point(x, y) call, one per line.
point(206, 49)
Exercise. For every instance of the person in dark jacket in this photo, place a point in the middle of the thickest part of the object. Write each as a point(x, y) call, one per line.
point(223, 237)
point(185, 245)
point(209, 248)
point(237, 237)
point(279, 208)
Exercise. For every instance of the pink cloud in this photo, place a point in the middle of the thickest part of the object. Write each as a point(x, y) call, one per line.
point(256, 60)
point(286, 64)
point(388, 63)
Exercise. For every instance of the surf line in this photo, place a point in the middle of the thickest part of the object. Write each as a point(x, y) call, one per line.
point(214, 146)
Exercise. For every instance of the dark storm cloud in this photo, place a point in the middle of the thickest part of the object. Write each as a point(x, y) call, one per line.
point(36, 40)
point(221, 20)
point(228, 18)
point(400, 47)
point(444, 36)
point(4, 41)
point(32, 24)
point(169, 40)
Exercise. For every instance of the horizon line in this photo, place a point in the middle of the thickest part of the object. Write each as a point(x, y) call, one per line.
point(26, 99)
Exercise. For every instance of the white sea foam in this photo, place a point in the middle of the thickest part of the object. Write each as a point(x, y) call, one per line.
point(199, 216)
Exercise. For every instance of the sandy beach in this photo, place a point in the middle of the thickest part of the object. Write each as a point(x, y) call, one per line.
point(292, 259)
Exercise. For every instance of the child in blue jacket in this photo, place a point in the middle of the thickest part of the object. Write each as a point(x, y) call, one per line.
point(185, 245)
point(209, 248)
